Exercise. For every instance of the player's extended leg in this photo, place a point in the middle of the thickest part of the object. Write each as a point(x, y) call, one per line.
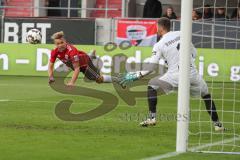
point(93, 70)
point(155, 87)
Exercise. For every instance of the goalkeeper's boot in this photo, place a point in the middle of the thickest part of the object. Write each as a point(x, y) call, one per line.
point(219, 127)
point(148, 122)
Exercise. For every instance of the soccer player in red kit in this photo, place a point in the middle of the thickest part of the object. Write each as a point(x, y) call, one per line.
point(77, 60)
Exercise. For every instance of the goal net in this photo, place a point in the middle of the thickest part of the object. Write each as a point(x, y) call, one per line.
point(216, 34)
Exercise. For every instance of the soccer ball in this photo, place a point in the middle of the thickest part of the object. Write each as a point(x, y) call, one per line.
point(34, 36)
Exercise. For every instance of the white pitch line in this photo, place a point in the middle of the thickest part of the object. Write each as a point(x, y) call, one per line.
point(4, 100)
point(28, 101)
point(20, 85)
point(54, 102)
point(22, 61)
point(50, 102)
point(193, 149)
point(167, 155)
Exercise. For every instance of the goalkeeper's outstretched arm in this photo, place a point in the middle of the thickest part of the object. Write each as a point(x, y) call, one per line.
point(148, 68)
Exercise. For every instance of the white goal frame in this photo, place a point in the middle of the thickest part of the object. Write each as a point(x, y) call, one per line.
point(184, 71)
point(183, 109)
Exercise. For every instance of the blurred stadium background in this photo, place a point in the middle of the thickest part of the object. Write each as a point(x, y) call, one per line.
point(29, 129)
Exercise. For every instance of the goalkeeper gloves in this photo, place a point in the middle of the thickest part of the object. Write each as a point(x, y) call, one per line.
point(128, 78)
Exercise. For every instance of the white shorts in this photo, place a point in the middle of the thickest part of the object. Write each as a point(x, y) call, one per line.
point(198, 87)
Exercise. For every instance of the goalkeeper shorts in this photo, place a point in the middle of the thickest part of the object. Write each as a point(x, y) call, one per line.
point(169, 83)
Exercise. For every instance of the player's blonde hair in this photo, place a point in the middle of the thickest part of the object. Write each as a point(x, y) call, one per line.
point(58, 35)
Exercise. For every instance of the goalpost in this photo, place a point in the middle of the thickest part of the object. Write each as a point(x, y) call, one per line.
point(184, 83)
point(218, 44)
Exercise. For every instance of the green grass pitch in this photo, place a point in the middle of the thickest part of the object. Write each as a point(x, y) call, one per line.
point(29, 129)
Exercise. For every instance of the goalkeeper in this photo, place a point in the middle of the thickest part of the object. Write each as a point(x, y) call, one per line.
point(168, 49)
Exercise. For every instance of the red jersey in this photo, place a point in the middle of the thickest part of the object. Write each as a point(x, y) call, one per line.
point(69, 56)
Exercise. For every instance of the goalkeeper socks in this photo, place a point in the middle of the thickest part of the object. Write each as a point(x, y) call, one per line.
point(219, 124)
point(107, 78)
point(152, 101)
point(152, 115)
point(210, 107)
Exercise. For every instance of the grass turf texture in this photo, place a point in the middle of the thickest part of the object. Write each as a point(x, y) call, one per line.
point(30, 130)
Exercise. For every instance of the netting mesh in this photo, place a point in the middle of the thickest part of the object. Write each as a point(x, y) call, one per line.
point(220, 67)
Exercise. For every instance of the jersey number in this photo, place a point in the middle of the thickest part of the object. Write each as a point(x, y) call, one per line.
point(178, 46)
